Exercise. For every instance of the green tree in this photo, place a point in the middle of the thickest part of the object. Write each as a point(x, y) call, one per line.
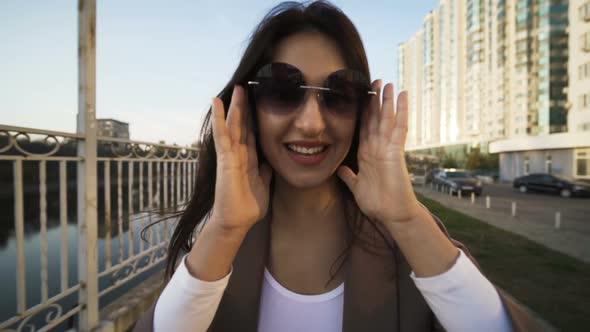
point(449, 161)
point(474, 159)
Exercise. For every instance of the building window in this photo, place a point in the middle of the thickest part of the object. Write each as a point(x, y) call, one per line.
point(584, 11)
point(585, 42)
point(582, 163)
point(527, 168)
point(548, 164)
point(584, 100)
point(584, 71)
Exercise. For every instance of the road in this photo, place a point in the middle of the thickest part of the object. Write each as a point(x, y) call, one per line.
point(575, 210)
point(535, 216)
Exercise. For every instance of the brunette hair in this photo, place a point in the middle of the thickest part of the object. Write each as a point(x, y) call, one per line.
point(284, 20)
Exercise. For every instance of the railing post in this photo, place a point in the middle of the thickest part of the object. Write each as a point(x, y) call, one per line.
point(86, 168)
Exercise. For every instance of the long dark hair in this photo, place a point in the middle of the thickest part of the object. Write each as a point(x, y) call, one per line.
point(285, 19)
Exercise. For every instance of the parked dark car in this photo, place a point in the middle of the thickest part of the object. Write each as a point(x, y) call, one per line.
point(552, 183)
point(456, 179)
point(431, 174)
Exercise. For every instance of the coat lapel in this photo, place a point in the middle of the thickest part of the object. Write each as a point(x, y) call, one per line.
point(371, 296)
point(370, 291)
point(239, 307)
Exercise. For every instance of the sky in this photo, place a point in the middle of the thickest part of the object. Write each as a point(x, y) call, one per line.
point(159, 63)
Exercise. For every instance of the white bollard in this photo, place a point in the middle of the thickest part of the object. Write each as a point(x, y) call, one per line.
point(557, 220)
point(514, 209)
point(459, 194)
point(487, 202)
point(450, 191)
point(472, 197)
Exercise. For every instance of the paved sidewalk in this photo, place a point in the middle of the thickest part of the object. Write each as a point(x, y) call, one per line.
point(535, 222)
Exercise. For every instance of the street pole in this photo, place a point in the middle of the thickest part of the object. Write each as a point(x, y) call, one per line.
point(86, 167)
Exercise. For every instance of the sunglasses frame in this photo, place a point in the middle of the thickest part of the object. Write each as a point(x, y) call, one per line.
point(308, 87)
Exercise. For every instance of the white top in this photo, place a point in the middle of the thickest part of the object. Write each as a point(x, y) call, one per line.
point(461, 298)
point(284, 310)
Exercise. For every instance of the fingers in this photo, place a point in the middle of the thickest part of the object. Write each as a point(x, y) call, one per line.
point(401, 119)
point(251, 141)
point(245, 129)
point(374, 109)
point(220, 136)
point(235, 117)
point(387, 115)
point(364, 130)
point(348, 177)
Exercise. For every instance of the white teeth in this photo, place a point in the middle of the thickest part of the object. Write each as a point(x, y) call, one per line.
point(303, 150)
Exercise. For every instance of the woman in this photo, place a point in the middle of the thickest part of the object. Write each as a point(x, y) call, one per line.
point(311, 222)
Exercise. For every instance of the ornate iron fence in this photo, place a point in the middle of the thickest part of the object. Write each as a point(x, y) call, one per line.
point(120, 182)
point(135, 182)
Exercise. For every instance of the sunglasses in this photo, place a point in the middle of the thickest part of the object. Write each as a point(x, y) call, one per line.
point(281, 89)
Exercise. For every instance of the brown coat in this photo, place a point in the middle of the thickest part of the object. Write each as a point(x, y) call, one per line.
point(374, 299)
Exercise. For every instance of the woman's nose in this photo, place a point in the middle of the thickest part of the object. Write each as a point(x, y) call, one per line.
point(310, 120)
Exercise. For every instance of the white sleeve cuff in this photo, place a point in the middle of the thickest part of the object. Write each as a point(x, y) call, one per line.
point(188, 303)
point(197, 286)
point(452, 277)
point(463, 299)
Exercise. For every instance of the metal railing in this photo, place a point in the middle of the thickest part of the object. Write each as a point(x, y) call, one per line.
point(139, 182)
point(120, 182)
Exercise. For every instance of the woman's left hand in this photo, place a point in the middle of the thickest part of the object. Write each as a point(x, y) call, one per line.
point(382, 187)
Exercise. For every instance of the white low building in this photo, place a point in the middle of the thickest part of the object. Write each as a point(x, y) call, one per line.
point(563, 153)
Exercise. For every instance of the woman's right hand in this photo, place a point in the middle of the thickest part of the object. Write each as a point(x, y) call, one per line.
point(241, 187)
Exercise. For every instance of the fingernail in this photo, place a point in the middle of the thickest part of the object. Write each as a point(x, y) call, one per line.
point(388, 90)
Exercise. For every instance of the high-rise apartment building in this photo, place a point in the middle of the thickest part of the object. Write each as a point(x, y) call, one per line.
point(494, 118)
point(431, 68)
point(579, 80)
point(430, 79)
point(452, 63)
point(579, 66)
point(475, 68)
point(495, 74)
point(410, 79)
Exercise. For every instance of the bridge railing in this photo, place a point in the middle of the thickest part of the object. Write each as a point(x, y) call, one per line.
point(136, 184)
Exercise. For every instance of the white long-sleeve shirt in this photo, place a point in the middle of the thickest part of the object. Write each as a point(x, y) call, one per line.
point(461, 298)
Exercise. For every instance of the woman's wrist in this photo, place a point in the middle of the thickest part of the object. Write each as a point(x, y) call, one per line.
point(216, 229)
point(214, 251)
point(426, 248)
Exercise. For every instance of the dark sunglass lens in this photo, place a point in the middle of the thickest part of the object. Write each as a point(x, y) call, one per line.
point(279, 89)
point(348, 91)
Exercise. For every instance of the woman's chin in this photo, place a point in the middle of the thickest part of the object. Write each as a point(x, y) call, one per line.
point(307, 181)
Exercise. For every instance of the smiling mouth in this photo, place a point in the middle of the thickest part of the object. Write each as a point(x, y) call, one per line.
point(306, 151)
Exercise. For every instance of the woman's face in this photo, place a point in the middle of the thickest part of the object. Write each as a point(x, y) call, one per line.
point(316, 56)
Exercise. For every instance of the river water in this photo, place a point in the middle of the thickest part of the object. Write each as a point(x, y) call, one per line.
point(8, 262)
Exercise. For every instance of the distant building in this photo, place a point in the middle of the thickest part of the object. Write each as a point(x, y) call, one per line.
point(113, 128)
point(494, 75)
point(579, 66)
point(566, 153)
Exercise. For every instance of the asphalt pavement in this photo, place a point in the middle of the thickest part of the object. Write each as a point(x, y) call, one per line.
point(535, 215)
